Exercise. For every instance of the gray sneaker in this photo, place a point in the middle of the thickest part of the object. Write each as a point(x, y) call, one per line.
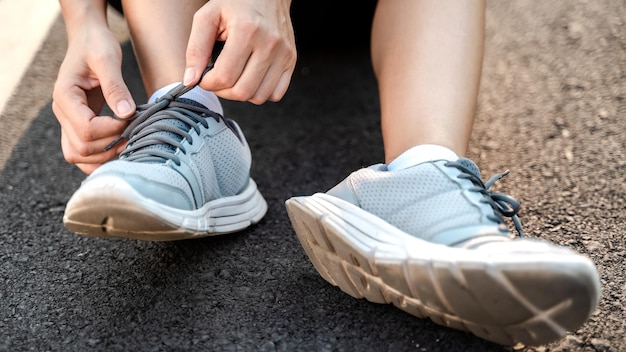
point(185, 173)
point(432, 241)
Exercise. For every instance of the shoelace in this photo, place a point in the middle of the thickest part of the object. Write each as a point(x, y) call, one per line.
point(502, 204)
point(143, 133)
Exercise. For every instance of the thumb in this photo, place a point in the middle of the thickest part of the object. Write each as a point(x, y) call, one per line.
point(116, 92)
point(200, 45)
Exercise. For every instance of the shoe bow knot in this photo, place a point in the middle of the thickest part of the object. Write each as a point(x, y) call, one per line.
point(502, 204)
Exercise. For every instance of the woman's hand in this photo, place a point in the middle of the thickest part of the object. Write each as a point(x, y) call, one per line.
point(259, 54)
point(90, 75)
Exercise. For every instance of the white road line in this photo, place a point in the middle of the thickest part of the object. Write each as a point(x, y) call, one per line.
point(24, 25)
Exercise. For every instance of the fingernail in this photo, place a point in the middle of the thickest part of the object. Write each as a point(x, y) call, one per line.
point(123, 108)
point(190, 76)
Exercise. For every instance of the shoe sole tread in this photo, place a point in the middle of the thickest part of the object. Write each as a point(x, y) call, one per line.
point(114, 209)
point(500, 298)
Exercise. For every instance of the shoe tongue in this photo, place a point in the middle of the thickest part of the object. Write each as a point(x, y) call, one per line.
point(174, 122)
point(191, 102)
point(470, 165)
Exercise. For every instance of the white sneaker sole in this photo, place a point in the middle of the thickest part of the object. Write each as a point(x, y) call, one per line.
point(526, 292)
point(108, 207)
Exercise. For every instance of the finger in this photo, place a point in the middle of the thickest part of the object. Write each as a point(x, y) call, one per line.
point(70, 103)
point(231, 63)
point(76, 151)
point(82, 123)
point(203, 34)
point(281, 86)
point(259, 83)
point(106, 126)
point(114, 89)
point(247, 83)
point(273, 86)
point(79, 143)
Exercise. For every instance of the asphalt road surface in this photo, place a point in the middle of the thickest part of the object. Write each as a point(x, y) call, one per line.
point(551, 110)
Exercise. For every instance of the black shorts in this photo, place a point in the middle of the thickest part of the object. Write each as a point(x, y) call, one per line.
point(116, 5)
point(322, 23)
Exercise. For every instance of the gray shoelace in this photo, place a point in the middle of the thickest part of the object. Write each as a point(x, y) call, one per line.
point(502, 204)
point(158, 129)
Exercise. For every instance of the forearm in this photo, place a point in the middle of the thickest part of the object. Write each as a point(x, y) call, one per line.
point(80, 14)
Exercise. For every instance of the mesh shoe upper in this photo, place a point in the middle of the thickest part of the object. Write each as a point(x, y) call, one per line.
point(181, 154)
point(431, 240)
point(441, 201)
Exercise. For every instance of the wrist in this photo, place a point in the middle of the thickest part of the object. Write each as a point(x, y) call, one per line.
point(80, 16)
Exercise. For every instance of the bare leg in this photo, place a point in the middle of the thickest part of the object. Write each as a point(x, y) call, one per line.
point(160, 31)
point(427, 56)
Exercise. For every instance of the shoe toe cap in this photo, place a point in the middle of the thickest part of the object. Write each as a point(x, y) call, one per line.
point(149, 181)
